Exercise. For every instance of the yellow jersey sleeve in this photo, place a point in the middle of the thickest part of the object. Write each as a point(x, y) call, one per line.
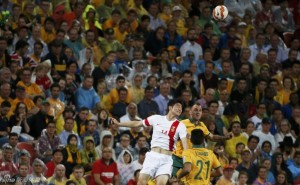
point(215, 162)
point(204, 129)
point(187, 156)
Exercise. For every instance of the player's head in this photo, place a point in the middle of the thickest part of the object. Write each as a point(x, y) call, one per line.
point(197, 137)
point(196, 112)
point(175, 107)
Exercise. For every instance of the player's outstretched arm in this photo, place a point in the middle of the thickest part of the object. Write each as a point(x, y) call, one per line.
point(217, 138)
point(128, 123)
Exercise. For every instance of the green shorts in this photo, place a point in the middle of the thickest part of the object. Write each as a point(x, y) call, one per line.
point(177, 164)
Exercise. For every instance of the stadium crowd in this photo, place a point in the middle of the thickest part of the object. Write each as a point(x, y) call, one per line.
point(68, 66)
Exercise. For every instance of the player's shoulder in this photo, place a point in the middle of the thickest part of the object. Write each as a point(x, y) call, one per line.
point(155, 117)
point(182, 125)
point(187, 151)
point(202, 151)
point(186, 122)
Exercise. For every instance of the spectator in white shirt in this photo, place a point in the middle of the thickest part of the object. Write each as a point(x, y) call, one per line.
point(275, 44)
point(258, 47)
point(264, 134)
point(284, 130)
point(191, 45)
point(260, 113)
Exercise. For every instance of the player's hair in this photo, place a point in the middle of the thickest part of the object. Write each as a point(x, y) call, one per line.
point(172, 103)
point(197, 137)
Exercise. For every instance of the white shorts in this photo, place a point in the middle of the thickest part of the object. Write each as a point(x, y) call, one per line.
point(156, 164)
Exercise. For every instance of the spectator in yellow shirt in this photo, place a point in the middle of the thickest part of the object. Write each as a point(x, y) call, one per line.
point(165, 15)
point(121, 30)
point(114, 96)
point(60, 122)
point(113, 21)
point(56, 104)
point(21, 97)
point(132, 17)
point(180, 22)
point(227, 175)
point(230, 145)
point(48, 33)
point(5, 90)
point(138, 6)
point(32, 89)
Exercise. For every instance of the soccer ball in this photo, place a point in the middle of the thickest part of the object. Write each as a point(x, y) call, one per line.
point(220, 13)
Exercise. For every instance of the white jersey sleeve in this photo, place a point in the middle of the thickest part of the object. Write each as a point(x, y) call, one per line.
point(149, 121)
point(182, 131)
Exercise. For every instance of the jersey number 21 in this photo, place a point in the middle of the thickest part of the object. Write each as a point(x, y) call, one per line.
point(200, 165)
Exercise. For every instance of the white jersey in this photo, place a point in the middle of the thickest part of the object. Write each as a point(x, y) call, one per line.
point(165, 132)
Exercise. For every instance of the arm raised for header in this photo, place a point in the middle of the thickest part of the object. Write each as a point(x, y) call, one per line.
point(184, 143)
point(138, 123)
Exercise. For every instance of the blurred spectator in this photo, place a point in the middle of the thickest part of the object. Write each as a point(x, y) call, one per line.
point(105, 165)
point(48, 142)
point(57, 157)
point(71, 154)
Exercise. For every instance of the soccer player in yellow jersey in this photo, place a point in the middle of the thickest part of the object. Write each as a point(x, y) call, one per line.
point(193, 123)
point(199, 161)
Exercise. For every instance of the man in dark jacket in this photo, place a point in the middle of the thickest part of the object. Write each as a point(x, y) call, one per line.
point(186, 83)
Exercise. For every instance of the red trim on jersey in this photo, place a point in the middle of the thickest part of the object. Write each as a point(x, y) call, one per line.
point(147, 122)
point(171, 134)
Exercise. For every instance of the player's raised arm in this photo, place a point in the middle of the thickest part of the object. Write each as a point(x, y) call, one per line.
point(184, 143)
point(128, 123)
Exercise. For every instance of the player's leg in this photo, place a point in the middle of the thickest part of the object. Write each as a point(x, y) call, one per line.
point(162, 179)
point(143, 179)
point(163, 173)
point(150, 166)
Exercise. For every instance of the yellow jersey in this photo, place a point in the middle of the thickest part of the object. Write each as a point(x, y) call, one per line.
point(202, 161)
point(189, 126)
point(57, 106)
point(230, 145)
point(32, 89)
point(114, 96)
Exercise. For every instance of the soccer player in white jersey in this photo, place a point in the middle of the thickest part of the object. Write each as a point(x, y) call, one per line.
point(166, 132)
